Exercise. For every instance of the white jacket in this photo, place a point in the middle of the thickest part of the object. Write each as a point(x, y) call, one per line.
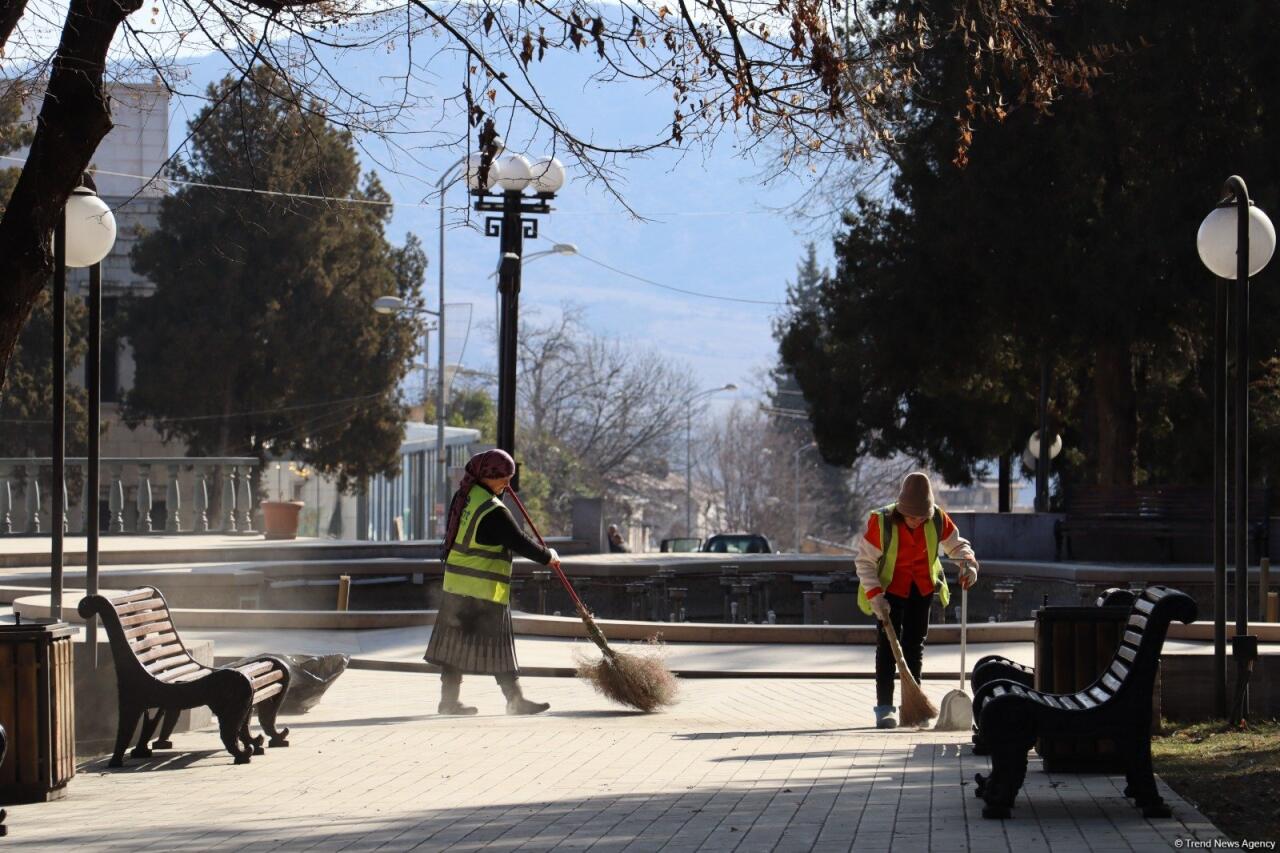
point(867, 559)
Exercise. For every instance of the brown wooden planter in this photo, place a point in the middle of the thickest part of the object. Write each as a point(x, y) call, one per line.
point(280, 518)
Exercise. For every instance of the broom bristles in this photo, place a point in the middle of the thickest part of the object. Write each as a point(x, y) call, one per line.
point(639, 680)
point(916, 708)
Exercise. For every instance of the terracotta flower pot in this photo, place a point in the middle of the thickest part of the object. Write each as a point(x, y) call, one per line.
point(280, 518)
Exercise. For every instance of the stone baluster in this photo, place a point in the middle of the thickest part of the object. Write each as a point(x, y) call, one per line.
point(173, 502)
point(85, 515)
point(144, 498)
point(227, 506)
point(6, 500)
point(115, 499)
point(244, 499)
point(200, 500)
point(33, 498)
point(63, 485)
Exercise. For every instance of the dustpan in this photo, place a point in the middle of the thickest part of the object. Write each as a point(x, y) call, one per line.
point(956, 714)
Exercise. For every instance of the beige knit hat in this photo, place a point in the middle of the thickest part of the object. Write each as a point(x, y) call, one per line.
point(916, 496)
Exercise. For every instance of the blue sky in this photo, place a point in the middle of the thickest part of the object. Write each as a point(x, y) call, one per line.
point(712, 225)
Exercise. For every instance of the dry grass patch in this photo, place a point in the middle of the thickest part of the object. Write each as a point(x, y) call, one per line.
point(1231, 775)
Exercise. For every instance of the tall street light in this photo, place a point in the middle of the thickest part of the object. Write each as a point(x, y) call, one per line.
point(498, 186)
point(688, 452)
point(82, 238)
point(799, 450)
point(396, 305)
point(1235, 241)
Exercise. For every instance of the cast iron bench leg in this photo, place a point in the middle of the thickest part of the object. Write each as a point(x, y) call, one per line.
point(149, 723)
point(166, 730)
point(124, 732)
point(1141, 779)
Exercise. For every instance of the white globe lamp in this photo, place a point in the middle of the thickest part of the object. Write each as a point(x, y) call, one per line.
point(1217, 238)
point(548, 175)
point(514, 173)
point(1033, 446)
point(473, 173)
point(91, 228)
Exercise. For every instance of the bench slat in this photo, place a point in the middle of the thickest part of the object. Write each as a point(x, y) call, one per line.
point(1127, 652)
point(256, 668)
point(153, 603)
point(141, 644)
point(143, 618)
point(169, 650)
point(1137, 622)
point(267, 692)
point(148, 628)
point(169, 676)
point(1111, 682)
point(1098, 693)
point(132, 595)
point(268, 678)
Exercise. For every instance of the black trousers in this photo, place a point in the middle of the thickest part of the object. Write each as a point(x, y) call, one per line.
point(910, 618)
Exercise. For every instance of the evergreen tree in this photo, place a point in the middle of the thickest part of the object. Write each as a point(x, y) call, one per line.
point(260, 338)
point(1069, 241)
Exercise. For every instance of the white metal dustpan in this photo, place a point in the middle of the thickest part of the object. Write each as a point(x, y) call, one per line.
point(956, 713)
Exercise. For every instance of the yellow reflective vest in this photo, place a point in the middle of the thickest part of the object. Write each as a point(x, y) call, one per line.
point(472, 569)
point(889, 555)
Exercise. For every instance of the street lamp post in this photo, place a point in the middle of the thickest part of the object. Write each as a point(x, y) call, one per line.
point(82, 238)
point(688, 452)
point(396, 305)
point(513, 174)
point(1236, 240)
point(799, 450)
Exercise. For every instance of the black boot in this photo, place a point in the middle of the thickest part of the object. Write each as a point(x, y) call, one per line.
point(516, 703)
point(450, 687)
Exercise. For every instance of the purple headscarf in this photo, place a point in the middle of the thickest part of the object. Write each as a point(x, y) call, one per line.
point(489, 465)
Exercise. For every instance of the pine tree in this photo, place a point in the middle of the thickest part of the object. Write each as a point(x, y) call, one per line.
point(260, 338)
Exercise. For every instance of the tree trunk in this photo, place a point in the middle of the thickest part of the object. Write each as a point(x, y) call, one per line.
point(73, 119)
point(1116, 414)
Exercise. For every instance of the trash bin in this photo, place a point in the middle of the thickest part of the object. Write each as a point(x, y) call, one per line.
point(1074, 645)
point(37, 710)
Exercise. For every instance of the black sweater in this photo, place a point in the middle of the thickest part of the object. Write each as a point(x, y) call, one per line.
point(499, 528)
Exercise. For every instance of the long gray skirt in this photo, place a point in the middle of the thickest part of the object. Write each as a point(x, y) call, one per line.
point(473, 636)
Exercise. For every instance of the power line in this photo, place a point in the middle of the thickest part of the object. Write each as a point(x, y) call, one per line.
point(653, 283)
point(378, 202)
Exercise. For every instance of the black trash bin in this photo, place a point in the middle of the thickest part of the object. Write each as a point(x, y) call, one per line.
point(1075, 645)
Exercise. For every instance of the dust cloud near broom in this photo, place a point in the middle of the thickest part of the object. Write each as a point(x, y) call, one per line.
point(639, 679)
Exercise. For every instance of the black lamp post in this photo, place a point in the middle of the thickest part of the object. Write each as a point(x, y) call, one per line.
point(1235, 241)
point(509, 177)
point(82, 238)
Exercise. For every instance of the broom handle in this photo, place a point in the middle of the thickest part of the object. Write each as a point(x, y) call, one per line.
point(903, 671)
point(964, 629)
point(592, 628)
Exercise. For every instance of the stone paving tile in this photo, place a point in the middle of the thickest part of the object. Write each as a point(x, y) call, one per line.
point(738, 765)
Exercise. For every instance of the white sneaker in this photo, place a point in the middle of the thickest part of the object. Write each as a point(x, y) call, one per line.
point(886, 716)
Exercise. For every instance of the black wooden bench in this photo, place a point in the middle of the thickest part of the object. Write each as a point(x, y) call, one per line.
point(998, 667)
point(156, 677)
point(1162, 513)
point(1011, 715)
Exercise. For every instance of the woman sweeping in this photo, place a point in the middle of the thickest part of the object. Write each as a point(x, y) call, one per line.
point(898, 575)
point(473, 632)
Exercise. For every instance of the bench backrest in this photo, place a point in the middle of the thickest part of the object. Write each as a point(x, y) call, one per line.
point(144, 642)
point(1153, 502)
point(1132, 671)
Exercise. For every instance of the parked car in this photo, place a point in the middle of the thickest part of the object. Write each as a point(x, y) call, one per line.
point(737, 543)
point(682, 543)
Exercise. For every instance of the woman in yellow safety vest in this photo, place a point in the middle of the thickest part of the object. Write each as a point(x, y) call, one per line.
point(473, 632)
point(898, 574)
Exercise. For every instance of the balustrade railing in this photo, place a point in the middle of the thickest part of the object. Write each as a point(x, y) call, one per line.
point(198, 494)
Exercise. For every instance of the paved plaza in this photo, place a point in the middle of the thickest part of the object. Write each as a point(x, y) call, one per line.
point(740, 764)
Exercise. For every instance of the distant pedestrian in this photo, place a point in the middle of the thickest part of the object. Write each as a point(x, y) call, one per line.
point(616, 545)
point(473, 631)
point(898, 575)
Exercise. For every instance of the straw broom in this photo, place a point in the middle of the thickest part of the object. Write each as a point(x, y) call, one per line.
point(641, 681)
point(916, 709)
